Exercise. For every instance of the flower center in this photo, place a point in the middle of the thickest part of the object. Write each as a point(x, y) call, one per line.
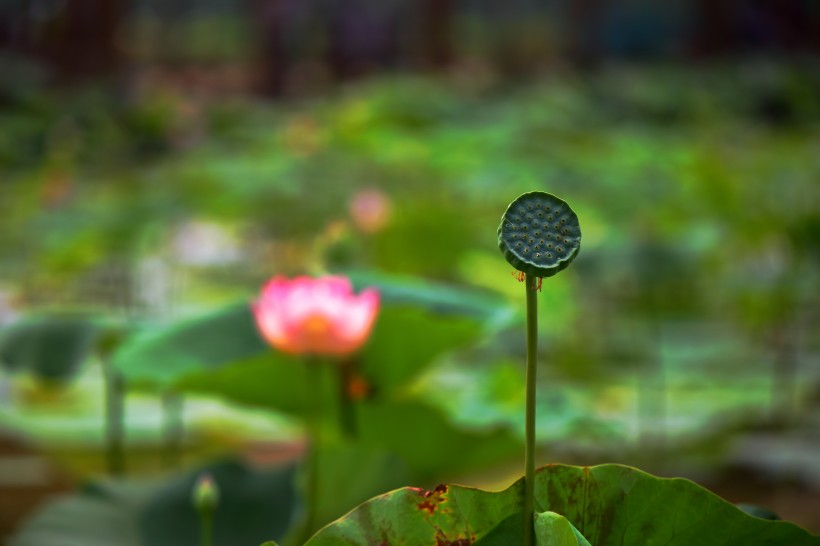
point(316, 326)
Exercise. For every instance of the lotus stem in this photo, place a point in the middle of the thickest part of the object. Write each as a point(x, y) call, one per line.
point(114, 419)
point(347, 409)
point(529, 430)
point(314, 390)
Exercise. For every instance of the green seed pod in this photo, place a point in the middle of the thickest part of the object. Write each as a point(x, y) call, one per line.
point(539, 234)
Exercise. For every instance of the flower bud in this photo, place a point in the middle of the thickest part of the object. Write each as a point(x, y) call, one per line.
point(206, 494)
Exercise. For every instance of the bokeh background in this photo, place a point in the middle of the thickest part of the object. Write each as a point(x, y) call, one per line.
point(160, 159)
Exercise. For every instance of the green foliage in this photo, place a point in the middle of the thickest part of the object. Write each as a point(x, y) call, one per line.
point(444, 317)
point(254, 506)
point(440, 298)
point(392, 359)
point(350, 474)
point(602, 505)
point(221, 354)
point(430, 443)
point(161, 358)
point(52, 348)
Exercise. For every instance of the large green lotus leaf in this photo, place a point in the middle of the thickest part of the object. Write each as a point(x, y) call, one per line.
point(160, 358)
point(254, 506)
point(392, 358)
point(50, 347)
point(269, 380)
point(430, 443)
point(608, 505)
point(436, 297)
point(420, 320)
point(350, 474)
point(406, 340)
point(444, 317)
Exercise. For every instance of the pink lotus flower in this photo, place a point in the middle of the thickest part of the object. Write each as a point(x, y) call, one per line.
point(315, 316)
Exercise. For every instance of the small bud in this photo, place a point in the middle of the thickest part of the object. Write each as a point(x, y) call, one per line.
point(206, 494)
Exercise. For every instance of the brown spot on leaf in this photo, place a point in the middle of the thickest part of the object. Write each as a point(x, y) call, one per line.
point(432, 498)
point(440, 488)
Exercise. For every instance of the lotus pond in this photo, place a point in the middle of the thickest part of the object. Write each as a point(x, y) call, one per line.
point(230, 322)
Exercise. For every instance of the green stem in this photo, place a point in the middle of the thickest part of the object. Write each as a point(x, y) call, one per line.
point(206, 528)
point(529, 432)
point(114, 420)
point(313, 395)
point(347, 410)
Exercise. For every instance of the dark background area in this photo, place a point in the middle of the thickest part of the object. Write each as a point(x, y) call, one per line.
point(291, 43)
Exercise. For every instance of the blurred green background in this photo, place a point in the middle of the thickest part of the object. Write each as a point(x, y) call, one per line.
point(160, 160)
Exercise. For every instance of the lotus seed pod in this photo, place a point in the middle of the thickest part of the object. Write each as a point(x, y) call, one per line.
point(539, 234)
point(205, 494)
